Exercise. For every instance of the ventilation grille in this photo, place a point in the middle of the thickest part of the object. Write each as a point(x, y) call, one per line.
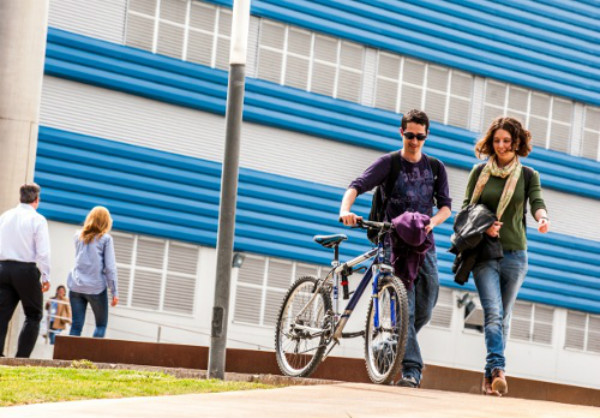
point(583, 332)
point(532, 322)
point(442, 313)
point(141, 273)
point(261, 286)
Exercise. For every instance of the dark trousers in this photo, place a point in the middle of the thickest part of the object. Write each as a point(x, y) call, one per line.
point(20, 282)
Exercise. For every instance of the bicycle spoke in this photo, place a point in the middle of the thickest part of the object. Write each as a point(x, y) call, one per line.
point(385, 344)
point(300, 329)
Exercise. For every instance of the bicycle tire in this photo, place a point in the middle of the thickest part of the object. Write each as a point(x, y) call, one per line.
point(383, 359)
point(301, 364)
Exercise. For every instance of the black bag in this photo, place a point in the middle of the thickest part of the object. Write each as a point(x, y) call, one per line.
point(384, 191)
point(527, 173)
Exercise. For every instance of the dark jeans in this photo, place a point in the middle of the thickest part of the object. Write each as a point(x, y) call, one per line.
point(20, 282)
point(421, 301)
point(99, 305)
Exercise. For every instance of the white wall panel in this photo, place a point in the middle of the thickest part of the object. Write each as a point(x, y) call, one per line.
point(102, 19)
point(112, 115)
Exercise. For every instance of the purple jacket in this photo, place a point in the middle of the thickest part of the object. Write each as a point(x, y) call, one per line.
point(410, 243)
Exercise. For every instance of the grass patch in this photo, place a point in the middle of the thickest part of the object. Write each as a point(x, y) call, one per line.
point(27, 385)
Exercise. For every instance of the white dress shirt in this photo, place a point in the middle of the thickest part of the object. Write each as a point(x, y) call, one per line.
point(24, 237)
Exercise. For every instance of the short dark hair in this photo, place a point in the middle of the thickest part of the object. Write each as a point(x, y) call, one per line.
point(415, 116)
point(29, 192)
point(521, 137)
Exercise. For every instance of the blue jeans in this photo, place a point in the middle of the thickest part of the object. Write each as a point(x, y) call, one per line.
point(99, 305)
point(498, 282)
point(421, 301)
point(52, 335)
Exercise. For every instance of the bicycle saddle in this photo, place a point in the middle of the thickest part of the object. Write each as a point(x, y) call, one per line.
point(329, 241)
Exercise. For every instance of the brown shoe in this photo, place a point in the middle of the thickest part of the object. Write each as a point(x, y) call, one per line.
point(486, 387)
point(499, 384)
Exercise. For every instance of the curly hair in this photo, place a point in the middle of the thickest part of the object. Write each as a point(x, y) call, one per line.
point(521, 137)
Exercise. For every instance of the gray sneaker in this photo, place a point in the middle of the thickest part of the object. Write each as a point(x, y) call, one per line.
point(408, 382)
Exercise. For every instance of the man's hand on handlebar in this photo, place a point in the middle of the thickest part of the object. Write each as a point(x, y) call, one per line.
point(349, 218)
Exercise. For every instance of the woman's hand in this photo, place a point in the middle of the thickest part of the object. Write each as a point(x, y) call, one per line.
point(543, 225)
point(494, 230)
point(115, 301)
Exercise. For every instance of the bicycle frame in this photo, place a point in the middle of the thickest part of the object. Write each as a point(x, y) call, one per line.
point(376, 271)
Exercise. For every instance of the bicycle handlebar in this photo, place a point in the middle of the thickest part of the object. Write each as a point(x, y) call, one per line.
point(361, 223)
point(364, 224)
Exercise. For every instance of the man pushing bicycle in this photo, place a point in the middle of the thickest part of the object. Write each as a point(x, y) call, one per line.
point(409, 181)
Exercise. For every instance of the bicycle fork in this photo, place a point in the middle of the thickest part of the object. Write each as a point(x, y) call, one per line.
point(384, 270)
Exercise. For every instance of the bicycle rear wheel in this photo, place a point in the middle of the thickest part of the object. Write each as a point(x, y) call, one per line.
point(300, 340)
point(385, 342)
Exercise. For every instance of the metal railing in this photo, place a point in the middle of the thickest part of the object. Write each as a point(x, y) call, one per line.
point(160, 327)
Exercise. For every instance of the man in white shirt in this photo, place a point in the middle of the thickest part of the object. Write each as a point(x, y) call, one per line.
point(24, 259)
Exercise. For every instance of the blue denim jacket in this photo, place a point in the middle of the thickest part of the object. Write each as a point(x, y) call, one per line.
point(95, 267)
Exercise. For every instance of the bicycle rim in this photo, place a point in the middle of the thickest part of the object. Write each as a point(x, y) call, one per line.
point(385, 345)
point(299, 351)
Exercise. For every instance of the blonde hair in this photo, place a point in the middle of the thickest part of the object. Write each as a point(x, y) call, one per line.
point(97, 223)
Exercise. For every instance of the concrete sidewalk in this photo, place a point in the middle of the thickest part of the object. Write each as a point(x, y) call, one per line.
point(327, 401)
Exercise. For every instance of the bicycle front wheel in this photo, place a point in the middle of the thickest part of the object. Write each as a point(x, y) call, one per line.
point(386, 333)
point(300, 335)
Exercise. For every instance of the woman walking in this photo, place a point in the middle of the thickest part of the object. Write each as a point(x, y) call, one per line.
point(503, 185)
point(95, 271)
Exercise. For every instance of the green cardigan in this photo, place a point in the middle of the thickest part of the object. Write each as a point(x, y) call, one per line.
point(512, 233)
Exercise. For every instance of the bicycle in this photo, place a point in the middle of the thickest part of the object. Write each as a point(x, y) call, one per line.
point(309, 327)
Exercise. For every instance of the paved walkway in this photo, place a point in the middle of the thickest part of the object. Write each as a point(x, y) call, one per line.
point(327, 401)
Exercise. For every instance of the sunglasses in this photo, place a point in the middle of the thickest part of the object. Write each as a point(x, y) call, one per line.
point(410, 135)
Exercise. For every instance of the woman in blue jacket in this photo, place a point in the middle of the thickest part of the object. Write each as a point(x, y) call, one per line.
point(95, 271)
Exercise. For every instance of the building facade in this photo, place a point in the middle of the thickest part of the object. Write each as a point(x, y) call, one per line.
point(132, 118)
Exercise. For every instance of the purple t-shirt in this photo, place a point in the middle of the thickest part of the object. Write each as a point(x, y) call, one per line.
point(415, 187)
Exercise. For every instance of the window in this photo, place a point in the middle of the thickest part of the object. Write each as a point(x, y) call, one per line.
point(583, 332)
point(548, 118)
point(299, 58)
point(442, 313)
point(262, 284)
point(590, 146)
point(403, 84)
point(156, 274)
point(184, 29)
point(532, 322)
point(195, 31)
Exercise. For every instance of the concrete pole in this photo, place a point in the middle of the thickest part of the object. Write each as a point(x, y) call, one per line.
point(23, 29)
point(229, 185)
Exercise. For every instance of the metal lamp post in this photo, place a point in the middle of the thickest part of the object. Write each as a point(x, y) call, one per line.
point(229, 185)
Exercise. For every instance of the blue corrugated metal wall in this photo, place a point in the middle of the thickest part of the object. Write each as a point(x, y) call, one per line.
point(170, 80)
point(174, 196)
point(546, 47)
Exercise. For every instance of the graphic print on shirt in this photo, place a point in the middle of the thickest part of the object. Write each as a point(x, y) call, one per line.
point(413, 191)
